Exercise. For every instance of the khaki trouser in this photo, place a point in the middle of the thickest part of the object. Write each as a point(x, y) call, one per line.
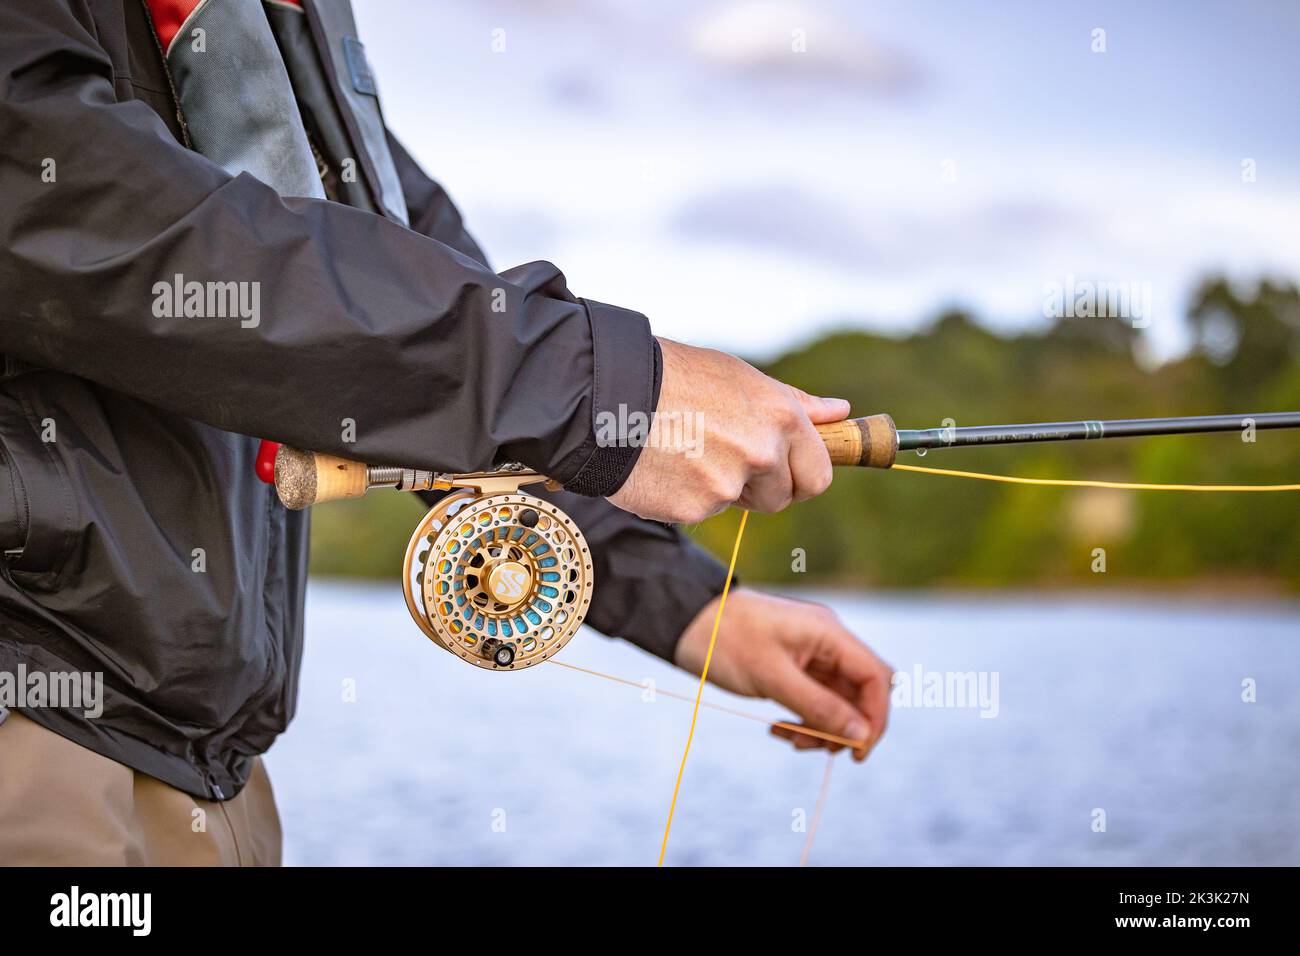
point(61, 804)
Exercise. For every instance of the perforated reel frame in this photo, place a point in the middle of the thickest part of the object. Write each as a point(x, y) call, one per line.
point(497, 591)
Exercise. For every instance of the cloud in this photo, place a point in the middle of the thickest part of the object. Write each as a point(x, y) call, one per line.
point(778, 39)
point(780, 218)
point(787, 219)
point(579, 91)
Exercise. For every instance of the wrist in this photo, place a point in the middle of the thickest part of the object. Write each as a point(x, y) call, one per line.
point(693, 646)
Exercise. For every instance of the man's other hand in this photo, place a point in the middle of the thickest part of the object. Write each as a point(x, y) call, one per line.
point(799, 655)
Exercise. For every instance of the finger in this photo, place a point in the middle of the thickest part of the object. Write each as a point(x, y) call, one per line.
point(848, 665)
point(843, 663)
point(769, 492)
point(803, 741)
point(838, 652)
point(818, 705)
point(791, 733)
point(873, 700)
point(810, 463)
point(821, 411)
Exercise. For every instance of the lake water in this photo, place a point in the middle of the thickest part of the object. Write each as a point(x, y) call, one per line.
point(1129, 707)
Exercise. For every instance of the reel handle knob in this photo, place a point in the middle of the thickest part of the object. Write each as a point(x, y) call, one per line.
point(870, 442)
point(304, 478)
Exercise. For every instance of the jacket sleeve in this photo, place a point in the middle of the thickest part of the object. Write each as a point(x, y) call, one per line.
point(355, 335)
point(651, 579)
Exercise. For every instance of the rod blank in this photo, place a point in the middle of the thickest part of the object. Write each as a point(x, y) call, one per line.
point(909, 439)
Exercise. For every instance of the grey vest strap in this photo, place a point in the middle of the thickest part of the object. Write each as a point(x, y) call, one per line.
point(354, 88)
point(236, 98)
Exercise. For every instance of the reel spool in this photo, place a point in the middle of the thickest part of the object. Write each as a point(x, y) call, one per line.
point(501, 580)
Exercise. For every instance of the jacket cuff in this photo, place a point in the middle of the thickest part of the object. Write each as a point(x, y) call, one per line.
point(696, 579)
point(627, 374)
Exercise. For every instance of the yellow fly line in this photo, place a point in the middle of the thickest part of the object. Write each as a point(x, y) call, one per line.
point(704, 676)
point(1085, 483)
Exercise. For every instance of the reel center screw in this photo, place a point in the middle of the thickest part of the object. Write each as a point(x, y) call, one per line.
point(509, 582)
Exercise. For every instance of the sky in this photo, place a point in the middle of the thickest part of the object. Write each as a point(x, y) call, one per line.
point(753, 173)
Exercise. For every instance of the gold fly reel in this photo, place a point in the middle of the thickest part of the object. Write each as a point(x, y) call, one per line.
point(502, 580)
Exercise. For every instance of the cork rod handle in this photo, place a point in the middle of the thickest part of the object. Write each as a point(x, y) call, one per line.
point(870, 442)
point(304, 478)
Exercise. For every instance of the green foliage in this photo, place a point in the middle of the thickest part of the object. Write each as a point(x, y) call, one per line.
point(897, 529)
point(364, 538)
point(903, 530)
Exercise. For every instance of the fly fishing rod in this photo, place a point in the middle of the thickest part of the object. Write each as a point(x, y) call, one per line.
point(874, 442)
point(503, 579)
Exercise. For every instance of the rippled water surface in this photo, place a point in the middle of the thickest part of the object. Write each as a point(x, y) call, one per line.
point(1133, 708)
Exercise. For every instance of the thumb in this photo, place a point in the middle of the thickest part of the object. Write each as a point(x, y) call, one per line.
point(821, 411)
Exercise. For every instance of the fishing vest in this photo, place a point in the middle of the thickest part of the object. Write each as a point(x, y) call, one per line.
point(281, 90)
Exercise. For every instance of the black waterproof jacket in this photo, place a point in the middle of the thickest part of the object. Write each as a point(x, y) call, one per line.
point(128, 437)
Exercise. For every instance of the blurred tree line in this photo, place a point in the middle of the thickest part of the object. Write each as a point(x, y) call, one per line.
point(904, 530)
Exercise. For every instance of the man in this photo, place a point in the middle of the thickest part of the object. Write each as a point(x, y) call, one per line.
point(207, 233)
